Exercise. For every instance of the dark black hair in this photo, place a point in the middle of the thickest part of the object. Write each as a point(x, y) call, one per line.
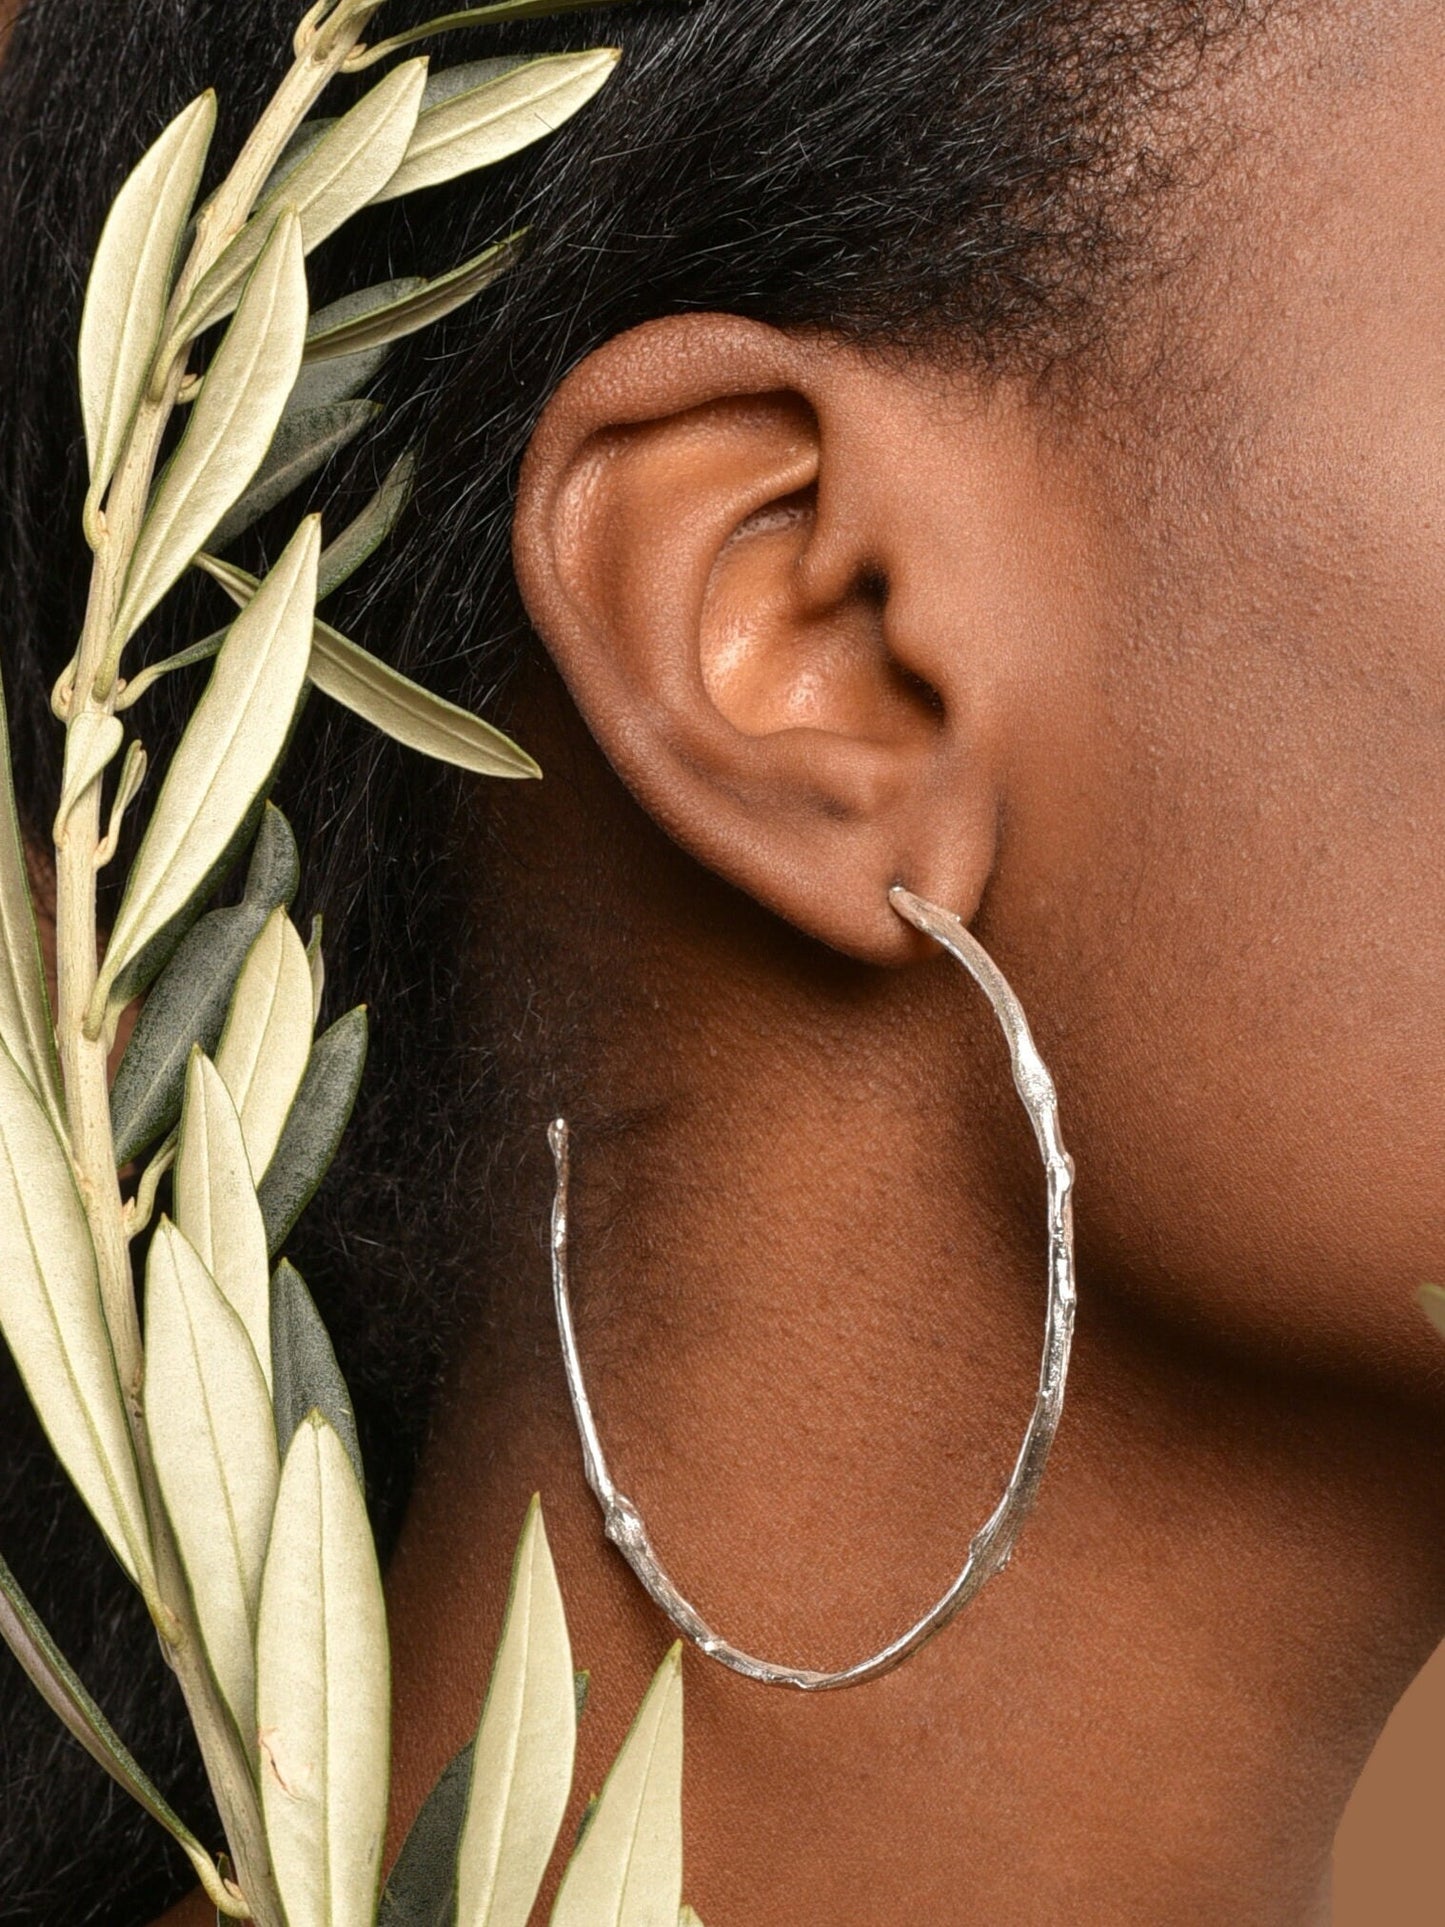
point(952, 176)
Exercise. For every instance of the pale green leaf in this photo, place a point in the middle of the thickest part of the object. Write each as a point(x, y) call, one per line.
point(216, 1205)
point(391, 702)
point(445, 83)
point(522, 1765)
point(334, 177)
point(92, 743)
point(353, 307)
point(409, 714)
point(497, 119)
point(316, 959)
point(231, 426)
point(627, 1872)
point(266, 1045)
point(1432, 1303)
point(228, 752)
point(323, 1690)
point(304, 444)
point(51, 1315)
point(360, 539)
point(130, 283)
point(316, 1124)
point(188, 1002)
point(393, 316)
point(26, 1030)
point(63, 1691)
point(687, 1918)
point(307, 1376)
point(422, 1890)
point(208, 1416)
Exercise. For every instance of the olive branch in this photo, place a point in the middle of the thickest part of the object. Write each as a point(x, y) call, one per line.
point(214, 1442)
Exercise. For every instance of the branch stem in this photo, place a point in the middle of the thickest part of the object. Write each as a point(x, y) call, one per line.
point(114, 530)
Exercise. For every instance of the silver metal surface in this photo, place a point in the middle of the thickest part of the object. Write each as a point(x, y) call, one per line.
point(992, 1545)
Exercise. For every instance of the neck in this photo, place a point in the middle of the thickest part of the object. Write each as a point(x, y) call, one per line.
point(814, 1386)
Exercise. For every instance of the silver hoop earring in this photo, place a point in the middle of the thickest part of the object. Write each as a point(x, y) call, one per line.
point(994, 1543)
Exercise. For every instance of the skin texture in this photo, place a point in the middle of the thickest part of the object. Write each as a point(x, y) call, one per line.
point(1146, 680)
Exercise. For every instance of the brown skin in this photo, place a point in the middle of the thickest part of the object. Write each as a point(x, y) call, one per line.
point(1156, 700)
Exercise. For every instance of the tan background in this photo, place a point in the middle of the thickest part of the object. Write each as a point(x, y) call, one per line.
point(1390, 1852)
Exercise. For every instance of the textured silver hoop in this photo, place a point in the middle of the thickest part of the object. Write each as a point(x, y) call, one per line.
point(993, 1545)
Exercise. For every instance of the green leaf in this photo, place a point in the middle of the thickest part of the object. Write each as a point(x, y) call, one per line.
point(216, 1204)
point(307, 1376)
point(470, 17)
point(392, 315)
point(525, 1746)
point(63, 1691)
point(687, 1918)
point(208, 1416)
point(360, 539)
point(130, 283)
point(335, 177)
point(53, 1321)
point(627, 1871)
point(188, 1003)
point(315, 1126)
point(27, 1031)
point(500, 117)
point(391, 702)
point(231, 426)
point(323, 1690)
point(227, 754)
point(1432, 1303)
point(422, 1890)
point(324, 382)
point(266, 1044)
point(304, 444)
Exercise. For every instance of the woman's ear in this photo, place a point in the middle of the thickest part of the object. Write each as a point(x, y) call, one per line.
point(778, 581)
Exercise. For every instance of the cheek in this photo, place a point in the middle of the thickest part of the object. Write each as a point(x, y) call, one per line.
point(1241, 975)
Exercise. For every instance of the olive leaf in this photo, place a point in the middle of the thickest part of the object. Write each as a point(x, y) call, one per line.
point(188, 1002)
point(525, 1745)
point(445, 83)
point(231, 426)
point(469, 17)
point(506, 113)
point(323, 1689)
point(687, 1918)
point(334, 177)
point(226, 755)
point(304, 444)
point(26, 1028)
point(63, 1691)
point(391, 702)
point(409, 714)
point(1432, 1303)
point(422, 1889)
point(306, 1375)
point(216, 1207)
point(208, 1417)
point(627, 1871)
point(360, 539)
point(54, 1323)
point(91, 744)
point(315, 1125)
point(266, 1044)
point(130, 283)
point(375, 317)
point(323, 382)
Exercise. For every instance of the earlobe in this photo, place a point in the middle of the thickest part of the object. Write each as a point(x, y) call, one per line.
point(720, 578)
